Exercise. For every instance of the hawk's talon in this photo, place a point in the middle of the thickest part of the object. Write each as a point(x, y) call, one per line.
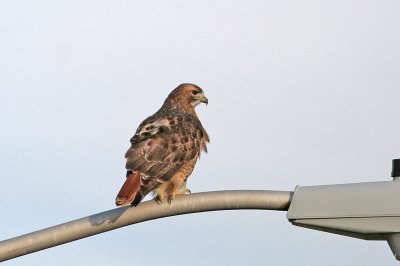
point(158, 200)
point(170, 198)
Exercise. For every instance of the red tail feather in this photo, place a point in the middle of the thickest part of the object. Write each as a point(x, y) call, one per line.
point(128, 190)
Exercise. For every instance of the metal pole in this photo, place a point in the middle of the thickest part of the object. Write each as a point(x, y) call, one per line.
point(119, 217)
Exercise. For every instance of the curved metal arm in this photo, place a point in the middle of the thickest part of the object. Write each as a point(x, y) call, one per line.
point(119, 217)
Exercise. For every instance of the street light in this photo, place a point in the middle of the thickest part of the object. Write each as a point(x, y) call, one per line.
point(369, 211)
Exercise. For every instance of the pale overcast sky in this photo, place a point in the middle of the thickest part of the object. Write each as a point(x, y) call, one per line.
point(300, 93)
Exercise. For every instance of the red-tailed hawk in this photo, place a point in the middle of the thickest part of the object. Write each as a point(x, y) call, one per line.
point(165, 148)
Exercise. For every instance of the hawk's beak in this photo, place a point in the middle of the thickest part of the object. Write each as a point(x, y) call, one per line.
point(204, 100)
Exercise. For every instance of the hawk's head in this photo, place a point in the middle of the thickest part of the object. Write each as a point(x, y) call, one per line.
point(186, 96)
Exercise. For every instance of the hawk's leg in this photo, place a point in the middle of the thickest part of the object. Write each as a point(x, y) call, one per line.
point(184, 191)
point(180, 188)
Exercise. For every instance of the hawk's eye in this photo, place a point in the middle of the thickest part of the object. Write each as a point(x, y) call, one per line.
point(195, 92)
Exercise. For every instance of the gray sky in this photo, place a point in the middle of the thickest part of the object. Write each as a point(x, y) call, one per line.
point(301, 93)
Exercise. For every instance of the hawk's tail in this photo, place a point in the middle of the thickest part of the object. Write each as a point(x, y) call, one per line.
point(129, 189)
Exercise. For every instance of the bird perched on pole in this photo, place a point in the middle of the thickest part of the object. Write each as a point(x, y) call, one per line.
point(165, 148)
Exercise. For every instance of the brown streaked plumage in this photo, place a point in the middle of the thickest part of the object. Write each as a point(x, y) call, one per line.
point(165, 148)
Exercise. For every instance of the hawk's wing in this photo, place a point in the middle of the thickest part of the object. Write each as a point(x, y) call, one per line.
point(161, 146)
